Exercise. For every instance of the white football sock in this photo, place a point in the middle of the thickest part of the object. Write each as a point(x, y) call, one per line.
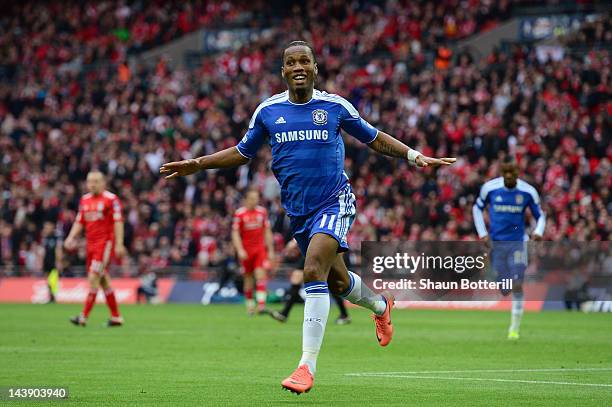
point(517, 310)
point(316, 310)
point(360, 294)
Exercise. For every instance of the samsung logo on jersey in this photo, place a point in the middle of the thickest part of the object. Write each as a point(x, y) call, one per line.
point(508, 208)
point(301, 135)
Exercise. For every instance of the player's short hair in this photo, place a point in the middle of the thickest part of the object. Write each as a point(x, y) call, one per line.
point(96, 172)
point(509, 159)
point(298, 43)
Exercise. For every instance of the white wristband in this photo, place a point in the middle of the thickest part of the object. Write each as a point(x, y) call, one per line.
point(412, 156)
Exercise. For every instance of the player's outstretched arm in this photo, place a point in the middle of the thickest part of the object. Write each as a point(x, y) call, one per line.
point(228, 158)
point(389, 146)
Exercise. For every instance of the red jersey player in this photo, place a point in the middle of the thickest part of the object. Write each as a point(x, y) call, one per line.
point(251, 235)
point(100, 216)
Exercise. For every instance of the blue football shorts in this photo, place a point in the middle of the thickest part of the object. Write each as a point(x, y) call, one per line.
point(334, 219)
point(509, 260)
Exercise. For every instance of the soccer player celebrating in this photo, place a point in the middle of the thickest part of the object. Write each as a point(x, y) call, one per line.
point(100, 216)
point(251, 236)
point(302, 126)
point(508, 197)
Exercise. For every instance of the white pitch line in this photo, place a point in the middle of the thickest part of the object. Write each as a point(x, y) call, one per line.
point(480, 379)
point(584, 369)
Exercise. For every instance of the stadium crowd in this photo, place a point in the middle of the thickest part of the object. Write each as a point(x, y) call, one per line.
point(58, 123)
point(68, 36)
point(593, 34)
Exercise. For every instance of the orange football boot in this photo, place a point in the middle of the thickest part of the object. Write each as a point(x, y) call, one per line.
point(300, 381)
point(384, 328)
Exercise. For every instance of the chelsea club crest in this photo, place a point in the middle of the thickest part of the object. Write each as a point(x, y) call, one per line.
point(519, 199)
point(319, 117)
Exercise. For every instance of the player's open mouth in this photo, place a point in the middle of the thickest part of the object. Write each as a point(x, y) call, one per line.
point(299, 78)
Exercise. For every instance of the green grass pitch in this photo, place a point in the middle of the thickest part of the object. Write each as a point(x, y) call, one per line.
point(193, 355)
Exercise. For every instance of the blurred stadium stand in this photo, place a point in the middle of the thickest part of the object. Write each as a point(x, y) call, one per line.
point(88, 85)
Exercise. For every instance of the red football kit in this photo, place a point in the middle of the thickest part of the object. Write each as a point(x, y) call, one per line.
point(252, 224)
point(98, 214)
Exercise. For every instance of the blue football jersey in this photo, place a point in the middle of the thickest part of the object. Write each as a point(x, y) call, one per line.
point(507, 210)
point(307, 147)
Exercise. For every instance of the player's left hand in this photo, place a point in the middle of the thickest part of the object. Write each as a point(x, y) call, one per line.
point(537, 238)
point(424, 161)
point(120, 251)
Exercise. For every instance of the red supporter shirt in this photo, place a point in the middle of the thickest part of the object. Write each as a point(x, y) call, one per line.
point(98, 214)
point(252, 224)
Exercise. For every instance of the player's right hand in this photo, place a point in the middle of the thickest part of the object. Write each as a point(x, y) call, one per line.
point(242, 254)
point(179, 168)
point(70, 244)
